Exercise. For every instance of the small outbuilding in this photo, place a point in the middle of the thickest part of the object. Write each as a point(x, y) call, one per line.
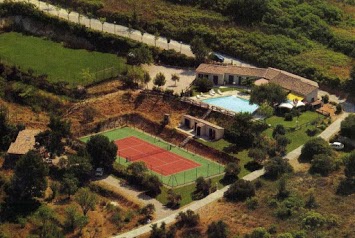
point(203, 128)
point(25, 141)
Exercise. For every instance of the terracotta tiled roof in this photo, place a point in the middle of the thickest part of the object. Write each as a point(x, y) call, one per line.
point(204, 122)
point(24, 142)
point(230, 69)
point(285, 79)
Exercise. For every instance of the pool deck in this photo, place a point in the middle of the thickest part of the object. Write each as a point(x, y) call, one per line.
point(204, 96)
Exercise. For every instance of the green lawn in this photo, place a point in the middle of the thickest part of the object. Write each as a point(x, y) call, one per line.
point(208, 168)
point(59, 63)
point(298, 136)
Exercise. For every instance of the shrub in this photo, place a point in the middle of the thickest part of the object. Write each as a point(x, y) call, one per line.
point(314, 147)
point(285, 235)
point(313, 220)
point(288, 117)
point(203, 187)
point(325, 98)
point(346, 187)
point(276, 167)
point(188, 219)
point(217, 230)
point(322, 164)
point(231, 172)
point(279, 130)
point(240, 191)
point(283, 212)
point(347, 127)
point(252, 203)
point(338, 109)
point(259, 232)
point(203, 84)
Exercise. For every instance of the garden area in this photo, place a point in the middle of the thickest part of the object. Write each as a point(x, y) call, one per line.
point(60, 64)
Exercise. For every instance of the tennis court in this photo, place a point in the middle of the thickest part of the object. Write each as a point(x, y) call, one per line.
point(157, 159)
point(192, 165)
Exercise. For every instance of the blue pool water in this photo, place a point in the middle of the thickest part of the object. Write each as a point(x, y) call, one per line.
point(232, 103)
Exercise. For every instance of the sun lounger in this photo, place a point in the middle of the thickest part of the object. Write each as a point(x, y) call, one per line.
point(212, 93)
point(219, 92)
point(198, 96)
point(202, 95)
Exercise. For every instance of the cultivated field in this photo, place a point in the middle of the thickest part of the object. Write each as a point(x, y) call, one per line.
point(75, 67)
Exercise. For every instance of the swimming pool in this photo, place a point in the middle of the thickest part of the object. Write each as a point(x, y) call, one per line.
point(232, 103)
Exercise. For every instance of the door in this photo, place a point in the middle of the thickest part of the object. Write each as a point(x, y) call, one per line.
point(230, 79)
point(198, 131)
point(215, 80)
point(187, 123)
point(210, 133)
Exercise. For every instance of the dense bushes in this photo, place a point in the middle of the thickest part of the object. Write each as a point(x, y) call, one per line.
point(348, 127)
point(240, 191)
point(314, 147)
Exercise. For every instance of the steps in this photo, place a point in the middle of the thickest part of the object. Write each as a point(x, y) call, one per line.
point(206, 114)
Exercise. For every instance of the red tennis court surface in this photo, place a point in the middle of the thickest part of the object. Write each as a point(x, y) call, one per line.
point(157, 159)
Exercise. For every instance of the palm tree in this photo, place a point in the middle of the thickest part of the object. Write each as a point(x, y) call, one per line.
point(69, 10)
point(57, 8)
point(175, 78)
point(156, 37)
point(102, 20)
point(168, 41)
point(89, 15)
point(142, 33)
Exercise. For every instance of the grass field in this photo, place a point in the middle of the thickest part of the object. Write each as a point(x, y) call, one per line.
point(208, 168)
point(59, 63)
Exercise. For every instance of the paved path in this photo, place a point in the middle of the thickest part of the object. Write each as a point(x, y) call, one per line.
point(120, 30)
point(161, 210)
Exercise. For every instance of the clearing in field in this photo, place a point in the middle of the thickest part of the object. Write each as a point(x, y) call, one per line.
point(173, 165)
point(75, 67)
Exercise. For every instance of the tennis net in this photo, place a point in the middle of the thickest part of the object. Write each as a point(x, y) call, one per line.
point(146, 154)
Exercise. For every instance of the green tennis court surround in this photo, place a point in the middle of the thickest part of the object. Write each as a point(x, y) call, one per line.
point(198, 166)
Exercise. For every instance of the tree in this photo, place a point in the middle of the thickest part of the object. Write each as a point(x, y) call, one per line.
point(59, 126)
point(247, 11)
point(313, 220)
point(80, 167)
point(349, 163)
point(55, 187)
point(231, 172)
point(266, 110)
point(142, 31)
point(89, 113)
point(322, 164)
point(136, 172)
point(314, 147)
point(243, 131)
point(29, 178)
point(86, 199)
point(278, 130)
point(203, 84)
point(102, 152)
point(69, 10)
point(174, 199)
point(217, 229)
point(69, 184)
point(148, 210)
point(199, 48)
point(47, 220)
point(156, 37)
point(158, 232)
point(259, 232)
point(175, 78)
point(282, 191)
point(152, 183)
point(168, 41)
point(281, 144)
point(187, 219)
point(203, 187)
point(159, 79)
point(276, 167)
point(135, 75)
point(240, 191)
point(146, 78)
point(258, 154)
point(347, 127)
point(102, 21)
point(73, 219)
point(8, 131)
point(140, 55)
point(267, 93)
